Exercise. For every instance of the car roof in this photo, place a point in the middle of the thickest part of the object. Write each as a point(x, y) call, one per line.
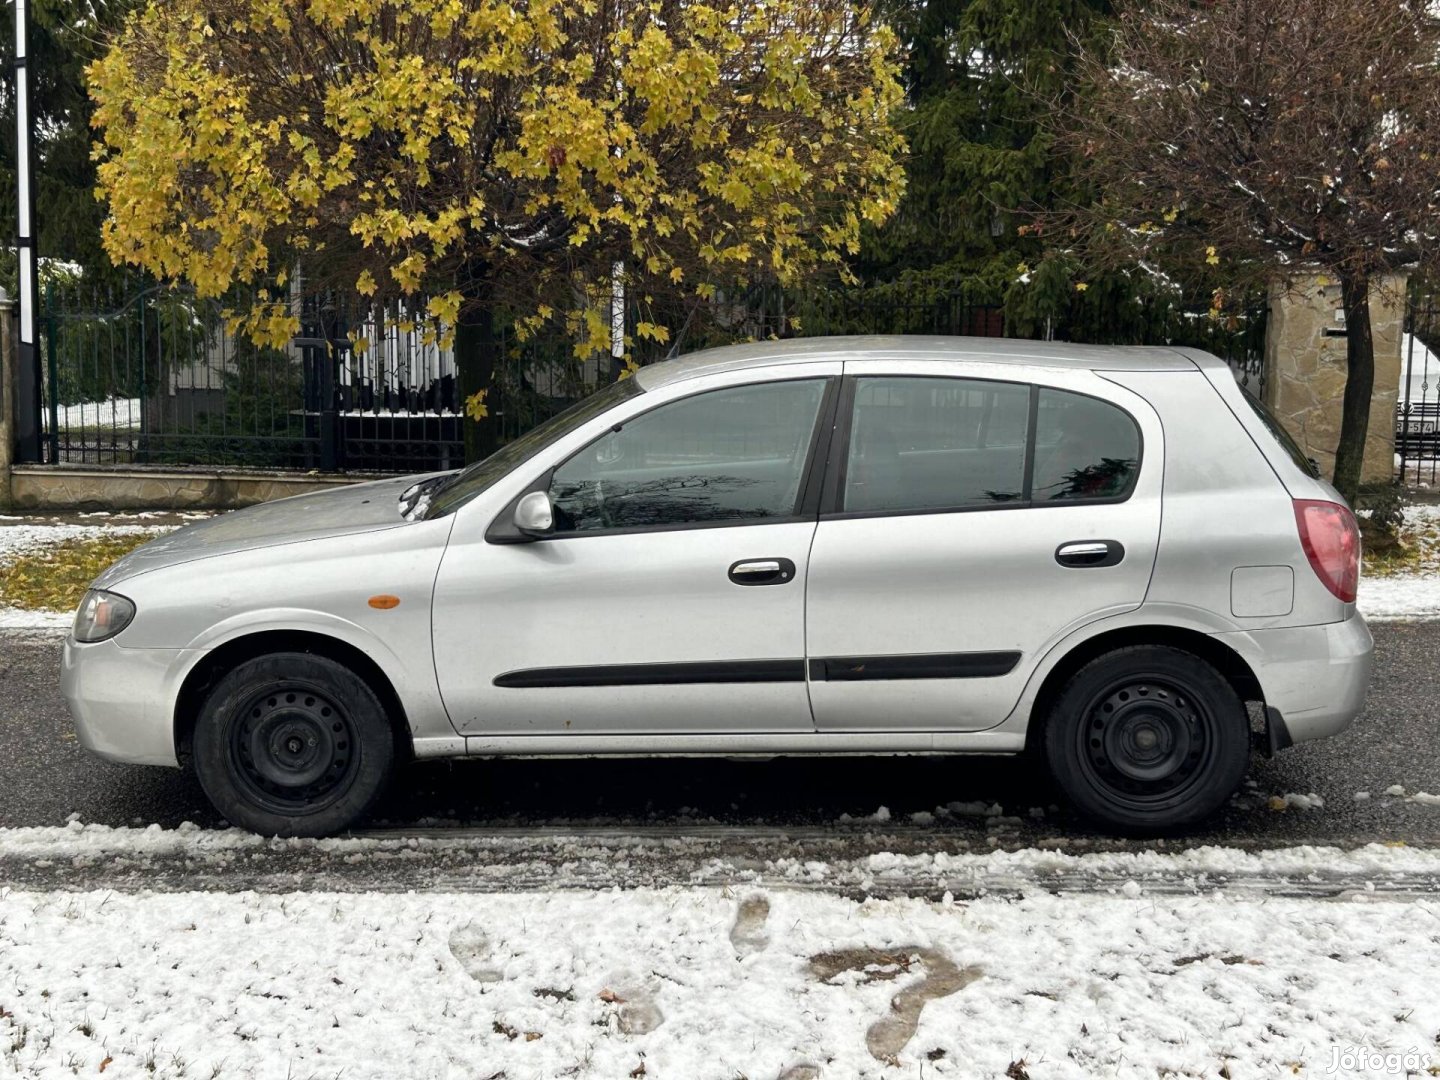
point(1017, 351)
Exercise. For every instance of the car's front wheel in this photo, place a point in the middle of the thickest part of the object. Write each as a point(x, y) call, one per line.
point(1148, 739)
point(293, 744)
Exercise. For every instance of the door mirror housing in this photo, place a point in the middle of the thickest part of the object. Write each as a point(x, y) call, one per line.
point(534, 516)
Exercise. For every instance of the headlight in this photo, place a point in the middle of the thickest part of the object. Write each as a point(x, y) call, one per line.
point(102, 615)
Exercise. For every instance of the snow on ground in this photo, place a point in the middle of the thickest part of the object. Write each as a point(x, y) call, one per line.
point(12, 618)
point(19, 535)
point(697, 984)
point(112, 413)
point(1414, 594)
point(1403, 596)
point(81, 843)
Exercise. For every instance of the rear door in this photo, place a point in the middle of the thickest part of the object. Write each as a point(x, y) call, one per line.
point(974, 514)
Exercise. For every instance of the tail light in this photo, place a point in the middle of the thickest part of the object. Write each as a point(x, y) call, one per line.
point(1331, 539)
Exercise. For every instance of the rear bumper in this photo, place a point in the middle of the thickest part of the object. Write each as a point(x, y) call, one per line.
point(1315, 677)
point(122, 700)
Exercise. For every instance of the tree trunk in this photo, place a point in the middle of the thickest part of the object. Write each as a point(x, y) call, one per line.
point(475, 355)
point(1359, 384)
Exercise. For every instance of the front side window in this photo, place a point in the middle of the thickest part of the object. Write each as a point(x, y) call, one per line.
point(726, 456)
point(935, 444)
point(457, 490)
point(1085, 448)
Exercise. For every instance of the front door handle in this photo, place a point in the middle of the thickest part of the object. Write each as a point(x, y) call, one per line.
point(762, 572)
point(1079, 554)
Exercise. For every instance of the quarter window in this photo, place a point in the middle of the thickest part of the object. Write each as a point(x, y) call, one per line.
point(1085, 448)
point(935, 444)
point(726, 456)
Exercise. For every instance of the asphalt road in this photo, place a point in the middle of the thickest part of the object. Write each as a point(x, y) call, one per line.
point(45, 778)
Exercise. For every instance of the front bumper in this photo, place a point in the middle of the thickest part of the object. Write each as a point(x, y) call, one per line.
point(1316, 677)
point(123, 700)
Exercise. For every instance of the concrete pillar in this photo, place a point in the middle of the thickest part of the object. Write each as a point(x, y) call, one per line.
point(9, 335)
point(1305, 362)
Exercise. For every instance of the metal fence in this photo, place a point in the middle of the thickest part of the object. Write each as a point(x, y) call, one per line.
point(1417, 409)
point(156, 377)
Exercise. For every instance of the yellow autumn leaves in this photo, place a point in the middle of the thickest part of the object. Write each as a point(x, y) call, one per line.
point(487, 151)
point(55, 577)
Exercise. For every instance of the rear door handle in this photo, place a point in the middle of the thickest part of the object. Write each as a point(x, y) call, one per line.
point(762, 572)
point(1079, 554)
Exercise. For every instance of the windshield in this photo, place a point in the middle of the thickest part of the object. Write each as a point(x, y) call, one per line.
point(474, 479)
point(1283, 437)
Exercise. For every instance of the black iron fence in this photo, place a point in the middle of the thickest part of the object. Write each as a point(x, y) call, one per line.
point(1417, 408)
point(156, 377)
point(159, 378)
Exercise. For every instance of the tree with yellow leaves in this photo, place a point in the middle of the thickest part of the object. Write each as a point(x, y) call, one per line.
point(473, 155)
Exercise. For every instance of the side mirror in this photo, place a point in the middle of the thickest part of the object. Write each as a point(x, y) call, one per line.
point(534, 516)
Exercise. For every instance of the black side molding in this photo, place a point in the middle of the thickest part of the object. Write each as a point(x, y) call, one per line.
point(973, 665)
point(715, 671)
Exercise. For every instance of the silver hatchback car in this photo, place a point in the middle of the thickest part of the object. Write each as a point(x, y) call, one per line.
point(858, 545)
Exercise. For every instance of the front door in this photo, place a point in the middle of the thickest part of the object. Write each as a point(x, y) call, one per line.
point(970, 523)
point(670, 598)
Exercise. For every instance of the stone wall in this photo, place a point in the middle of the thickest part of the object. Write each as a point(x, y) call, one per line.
point(66, 488)
point(1305, 362)
point(60, 488)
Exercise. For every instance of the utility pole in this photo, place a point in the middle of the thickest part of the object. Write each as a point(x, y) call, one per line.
point(28, 380)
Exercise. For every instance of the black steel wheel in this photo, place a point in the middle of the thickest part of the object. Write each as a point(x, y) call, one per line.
point(293, 747)
point(293, 744)
point(1148, 739)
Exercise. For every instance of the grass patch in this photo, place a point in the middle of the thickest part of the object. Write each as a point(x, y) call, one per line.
point(1417, 552)
point(55, 578)
point(1404, 559)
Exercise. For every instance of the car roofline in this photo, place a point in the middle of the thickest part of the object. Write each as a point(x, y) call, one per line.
point(1020, 352)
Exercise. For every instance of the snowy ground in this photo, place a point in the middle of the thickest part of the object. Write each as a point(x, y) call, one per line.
point(112, 413)
point(599, 954)
point(1034, 963)
point(20, 534)
point(763, 982)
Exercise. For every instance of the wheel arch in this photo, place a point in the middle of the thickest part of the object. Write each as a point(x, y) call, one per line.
point(212, 667)
point(1229, 663)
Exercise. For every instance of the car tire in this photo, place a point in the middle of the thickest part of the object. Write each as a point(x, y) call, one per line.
point(1147, 739)
point(293, 744)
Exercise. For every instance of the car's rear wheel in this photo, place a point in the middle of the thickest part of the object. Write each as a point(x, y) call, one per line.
point(293, 744)
point(1148, 739)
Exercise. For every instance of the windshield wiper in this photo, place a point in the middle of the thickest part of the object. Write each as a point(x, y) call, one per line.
point(412, 498)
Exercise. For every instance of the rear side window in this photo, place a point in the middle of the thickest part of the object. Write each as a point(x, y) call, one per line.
point(935, 444)
point(919, 444)
point(1085, 449)
point(1283, 437)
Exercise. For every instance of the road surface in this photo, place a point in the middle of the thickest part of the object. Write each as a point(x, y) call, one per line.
point(743, 811)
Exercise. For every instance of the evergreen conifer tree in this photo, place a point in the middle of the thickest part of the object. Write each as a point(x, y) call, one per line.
point(65, 35)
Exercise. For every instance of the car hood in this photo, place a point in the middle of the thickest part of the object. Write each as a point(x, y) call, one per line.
point(340, 511)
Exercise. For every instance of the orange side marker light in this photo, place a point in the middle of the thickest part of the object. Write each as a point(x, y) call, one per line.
point(384, 601)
